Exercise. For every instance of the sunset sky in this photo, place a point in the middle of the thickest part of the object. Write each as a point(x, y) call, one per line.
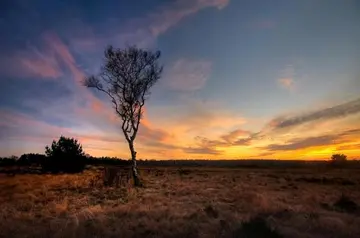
point(242, 79)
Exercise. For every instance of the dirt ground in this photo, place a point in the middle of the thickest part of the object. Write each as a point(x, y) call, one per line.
point(187, 202)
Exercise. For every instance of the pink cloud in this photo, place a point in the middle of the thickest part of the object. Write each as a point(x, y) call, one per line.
point(63, 52)
point(52, 56)
point(39, 68)
point(188, 75)
point(32, 62)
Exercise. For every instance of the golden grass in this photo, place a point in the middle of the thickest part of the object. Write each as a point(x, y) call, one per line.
point(192, 203)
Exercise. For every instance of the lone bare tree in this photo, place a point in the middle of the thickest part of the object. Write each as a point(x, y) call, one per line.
point(126, 77)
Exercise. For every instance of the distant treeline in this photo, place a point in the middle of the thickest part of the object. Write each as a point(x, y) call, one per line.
point(245, 163)
point(37, 159)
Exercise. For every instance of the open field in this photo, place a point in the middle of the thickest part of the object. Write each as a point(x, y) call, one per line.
point(187, 202)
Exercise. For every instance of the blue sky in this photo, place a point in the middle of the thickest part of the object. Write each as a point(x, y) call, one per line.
point(232, 69)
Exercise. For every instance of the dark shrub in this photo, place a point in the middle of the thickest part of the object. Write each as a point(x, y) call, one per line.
point(182, 171)
point(211, 212)
point(345, 204)
point(338, 160)
point(31, 159)
point(11, 161)
point(65, 155)
point(256, 228)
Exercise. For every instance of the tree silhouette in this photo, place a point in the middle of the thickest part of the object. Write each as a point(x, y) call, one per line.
point(126, 78)
point(338, 159)
point(64, 155)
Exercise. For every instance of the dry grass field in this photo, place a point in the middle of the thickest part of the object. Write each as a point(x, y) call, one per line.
point(187, 202)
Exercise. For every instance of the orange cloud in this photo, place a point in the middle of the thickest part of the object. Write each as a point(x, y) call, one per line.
point(332, 129)
point(233, 135)
point(351, 146)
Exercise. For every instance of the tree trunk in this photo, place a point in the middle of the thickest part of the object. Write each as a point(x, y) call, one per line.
point(136, 177)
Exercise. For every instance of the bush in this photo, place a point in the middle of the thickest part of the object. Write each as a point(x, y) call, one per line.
point(31, 159)
point(338, 159)
point(256, 227)
point(65, 155)
point(345, 204)
point(11, 161)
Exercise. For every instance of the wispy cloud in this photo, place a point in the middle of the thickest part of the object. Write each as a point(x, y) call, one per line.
point(338, 111)
point(278, 128)
point(148, 133)
point(303, 143)
point(31, 63)
point(65, 57)
point(233, 135)
point(202, 151)
point(170, 15)
point(143, 31)
point(64, 54)
point(286, 79)
point(287, 83)
point(243, 141)
point(19, 127)
point(309, 142)
point(352, 146)
point(187, 75)
point(204, 142)
point(16, 125)
point(205, 114)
